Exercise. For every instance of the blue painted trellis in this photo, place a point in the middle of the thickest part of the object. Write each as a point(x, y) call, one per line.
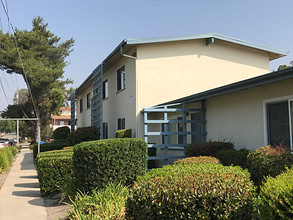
point(165, 109)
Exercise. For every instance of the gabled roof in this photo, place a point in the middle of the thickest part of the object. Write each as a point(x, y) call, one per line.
point(238, 86)
point(275, 52)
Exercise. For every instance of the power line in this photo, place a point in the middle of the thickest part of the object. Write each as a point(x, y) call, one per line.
point(4, 91)
point(16, 45)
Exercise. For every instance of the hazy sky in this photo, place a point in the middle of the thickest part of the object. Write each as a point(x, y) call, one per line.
point(98, 26)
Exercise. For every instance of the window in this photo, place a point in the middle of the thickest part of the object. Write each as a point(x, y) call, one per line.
point(279, 122)
point(105, 130)
point(121, 78)
point(88, 100)
point(121, 123)
point(80, 105)
point(105, 89)
point(61, 123)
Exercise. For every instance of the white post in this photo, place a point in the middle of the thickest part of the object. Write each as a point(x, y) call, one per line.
point(39, 135)
point(17, 131)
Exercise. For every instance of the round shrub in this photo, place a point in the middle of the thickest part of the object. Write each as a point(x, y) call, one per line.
point(124, 133)
point(61, 133)
point(119, 160)
point(268, 161)
point(198, 160)
point(207, 149)
point(83, 134)
point(193, 191)
point(233, 157)
point(277, 197)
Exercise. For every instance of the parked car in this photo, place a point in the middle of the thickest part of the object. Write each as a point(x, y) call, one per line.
point(4, 142)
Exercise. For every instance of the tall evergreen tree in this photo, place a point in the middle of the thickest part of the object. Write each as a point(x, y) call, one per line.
point(40, 57)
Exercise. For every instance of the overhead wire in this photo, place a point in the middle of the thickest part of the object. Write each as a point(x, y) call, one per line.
point(20, 58)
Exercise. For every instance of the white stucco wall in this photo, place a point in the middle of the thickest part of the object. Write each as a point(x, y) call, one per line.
point(239, 117)
point(168, 71)
point(120, 104)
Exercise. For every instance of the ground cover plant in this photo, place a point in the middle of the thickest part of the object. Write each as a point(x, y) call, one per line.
point(193, 191)
point(119, 160)
point(277, 197)
point(268, 161)
point(103, 204)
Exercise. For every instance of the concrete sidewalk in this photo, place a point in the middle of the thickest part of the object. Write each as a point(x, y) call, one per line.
point(20, 196)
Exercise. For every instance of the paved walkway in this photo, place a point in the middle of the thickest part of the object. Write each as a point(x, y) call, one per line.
point(20, 197)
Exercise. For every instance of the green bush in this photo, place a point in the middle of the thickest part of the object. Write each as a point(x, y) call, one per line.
point(83, 134)
point(198, 160)
point(233, 157)
point(120, 160)
point(54, 170)
point(207, 149)
point(106, 204)
point(61, 133)
point(4, 162)
point(6, 157)
point(268, 161)
point(124, 133)
point(277, 197)
point(54, 145)
point(193, 191)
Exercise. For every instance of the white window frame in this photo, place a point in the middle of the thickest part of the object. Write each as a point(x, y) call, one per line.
point(121, 74)
point(121, 128)
point(265, 116)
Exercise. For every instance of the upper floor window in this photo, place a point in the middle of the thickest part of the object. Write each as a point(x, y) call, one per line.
point(121, 78)
point(80, 105)
point(105, 89)
point(88, 100)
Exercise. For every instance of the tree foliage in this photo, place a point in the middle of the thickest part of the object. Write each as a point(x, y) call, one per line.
point(42, 66)
point(7, 126)
point(281, 67)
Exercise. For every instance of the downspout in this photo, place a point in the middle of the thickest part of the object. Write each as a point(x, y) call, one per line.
point(125, 55)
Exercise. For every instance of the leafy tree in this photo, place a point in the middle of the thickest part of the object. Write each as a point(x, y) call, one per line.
point(281, 67)
point(42, 66)
point(21, 96)
point(7, 126)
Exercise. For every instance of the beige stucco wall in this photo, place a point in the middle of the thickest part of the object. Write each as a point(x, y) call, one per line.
point(120, 104)
point(168, 71)
point(84, 118)
point(239, 116)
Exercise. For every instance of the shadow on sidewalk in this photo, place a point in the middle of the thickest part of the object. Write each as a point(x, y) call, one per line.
point(29, 177)
point(27, 185)
point(28, 193)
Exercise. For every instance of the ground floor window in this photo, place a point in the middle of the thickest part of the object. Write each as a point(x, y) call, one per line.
point(105, 130)
point(280, 122)
point(121, 123)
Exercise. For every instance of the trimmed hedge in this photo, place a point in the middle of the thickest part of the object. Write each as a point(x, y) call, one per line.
point(268, 161)
point(54, 168)
point(54, 145)
point(119, 160)
point(277, 197)
point(198, 160)
point(233, 157)
point(83, 134)
point(61, 133)
point(193, 191)
point(124, 133)
point(207, 149)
